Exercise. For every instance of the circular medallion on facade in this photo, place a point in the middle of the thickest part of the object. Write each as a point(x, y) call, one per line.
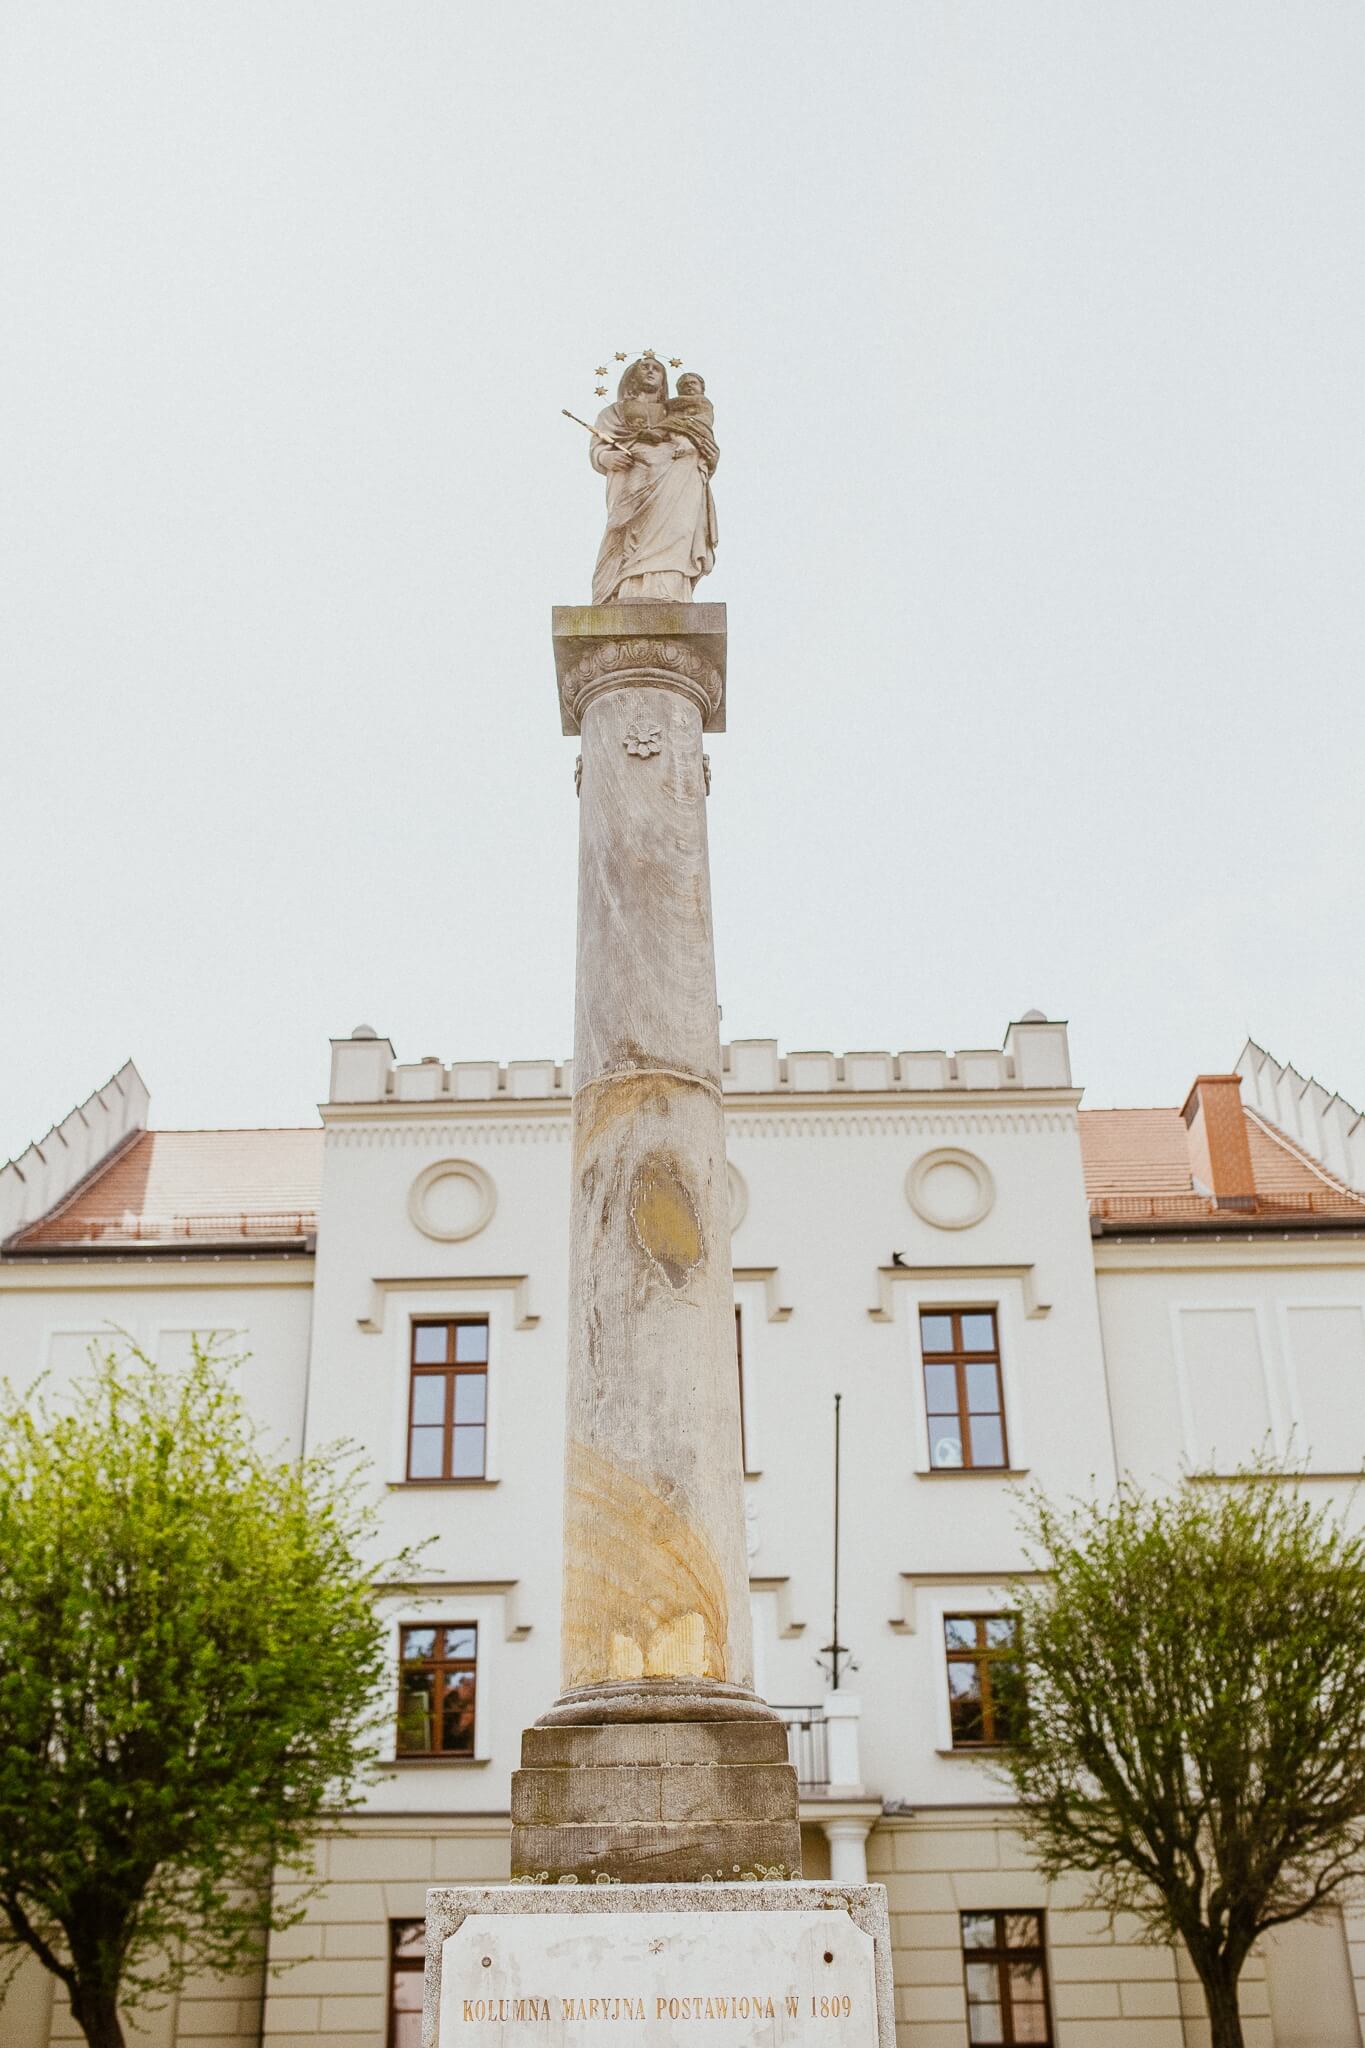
point(952, 1190)
point(452, 1199)
point(739, 1196)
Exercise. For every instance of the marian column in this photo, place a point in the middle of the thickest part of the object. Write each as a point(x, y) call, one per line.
point(658, 1761)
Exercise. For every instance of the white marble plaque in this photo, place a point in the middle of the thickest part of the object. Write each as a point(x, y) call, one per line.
point(800, 1979)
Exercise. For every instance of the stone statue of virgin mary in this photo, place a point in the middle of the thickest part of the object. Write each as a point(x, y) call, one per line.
point(661, 520)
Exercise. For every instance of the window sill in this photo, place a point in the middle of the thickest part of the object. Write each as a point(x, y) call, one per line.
point(988, 1750)
point(403, 1485)
point(445, 1763)
point(971, 1472)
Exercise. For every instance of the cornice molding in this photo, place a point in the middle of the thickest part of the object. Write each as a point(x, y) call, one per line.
point(418, 1589)
point(1217, 1254)
point(390, 1131)
point(906, 1623)
point(780, 1585)
point(773, 1290)
point(372, 1322)
point(110, 1272)
point(754, 1118)
point(780, 1112)
point(889, 1277)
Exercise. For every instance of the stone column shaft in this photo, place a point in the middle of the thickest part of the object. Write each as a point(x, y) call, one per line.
point(655, 1574)
point(618, 1778)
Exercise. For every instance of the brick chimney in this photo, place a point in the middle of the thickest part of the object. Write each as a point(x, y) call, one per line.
point(1220, 1157)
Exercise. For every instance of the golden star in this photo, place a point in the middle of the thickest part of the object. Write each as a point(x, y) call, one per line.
point(647, 354)
point(600, 390)
point(620, 355)
point(675, 362)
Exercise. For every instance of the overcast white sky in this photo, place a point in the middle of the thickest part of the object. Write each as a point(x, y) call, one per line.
point(1036, 333)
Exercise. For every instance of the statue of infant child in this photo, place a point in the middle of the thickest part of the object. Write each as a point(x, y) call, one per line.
point(690, 417)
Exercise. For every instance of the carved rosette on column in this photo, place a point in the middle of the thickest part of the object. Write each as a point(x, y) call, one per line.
point(658, 1760)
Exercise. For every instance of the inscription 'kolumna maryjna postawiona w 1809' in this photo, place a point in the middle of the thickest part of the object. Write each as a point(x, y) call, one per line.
point(736, 1980)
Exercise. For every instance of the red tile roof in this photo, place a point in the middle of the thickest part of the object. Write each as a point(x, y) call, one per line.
point(200, 1187)
point(1137, 1168)
point(252, 1188)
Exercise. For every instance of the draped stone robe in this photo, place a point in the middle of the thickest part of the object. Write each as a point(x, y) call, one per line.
point(661, 519)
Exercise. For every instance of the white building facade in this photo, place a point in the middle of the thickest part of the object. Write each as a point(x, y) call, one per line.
point(1004, 1289)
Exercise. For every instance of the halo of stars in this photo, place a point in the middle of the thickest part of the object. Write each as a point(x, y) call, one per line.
point(647, 355)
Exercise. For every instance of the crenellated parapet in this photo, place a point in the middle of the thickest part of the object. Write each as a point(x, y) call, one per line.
point(1035, 1055)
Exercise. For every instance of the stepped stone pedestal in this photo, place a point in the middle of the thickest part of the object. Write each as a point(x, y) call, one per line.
point(658, 1760)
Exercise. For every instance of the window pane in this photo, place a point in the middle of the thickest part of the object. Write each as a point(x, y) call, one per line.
point(471, 1389)
point(457, 1717)
point(459, 1643)
point(407, 2026)
point(424, 1456)
point(415, 1710)
point(940, 1389)
point(1022, 1930)
point(429, 1344)
point(978, 1333)
point(945, 1443)
point(964, 1710)
point(966, 1727)
point(964, 1682)
point(1000, 1636)
point(466, 1457)
point(1026, 1983)
point(936, 1333)
point(418, 1643)
point(983, 1389)
point(471, 1343)
point(988, 1440)
point(428, 1397)
point(983, 1985)
point(1030, 2023)
point(983, 2023)
point(410, 1940)
point(959, 1631)
point(978, 1930)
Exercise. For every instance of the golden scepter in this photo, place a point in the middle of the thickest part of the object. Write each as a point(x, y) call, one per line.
point(608, 438)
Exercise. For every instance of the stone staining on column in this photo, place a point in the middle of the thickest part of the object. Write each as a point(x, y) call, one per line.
point(658, 1761)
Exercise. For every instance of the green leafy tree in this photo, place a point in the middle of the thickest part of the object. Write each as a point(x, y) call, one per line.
point(1189, 1703)
point(190, 1674)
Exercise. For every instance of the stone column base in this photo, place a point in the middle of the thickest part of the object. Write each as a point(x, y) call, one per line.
point(664, 1802)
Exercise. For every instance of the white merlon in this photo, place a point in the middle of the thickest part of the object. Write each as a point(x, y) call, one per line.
point(52, 1167)
point(1034, 1055)
point(1328, 1127)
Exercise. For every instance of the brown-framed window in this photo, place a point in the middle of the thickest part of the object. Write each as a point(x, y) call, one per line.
point(961, 1351)
point(407, 1961)
point(448, 1399)
point(977, 1645)
point(437, 1670)
point(1005, 1966)
point(739, 1363)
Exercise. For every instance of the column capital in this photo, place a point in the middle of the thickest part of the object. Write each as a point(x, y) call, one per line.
point(606, 647)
